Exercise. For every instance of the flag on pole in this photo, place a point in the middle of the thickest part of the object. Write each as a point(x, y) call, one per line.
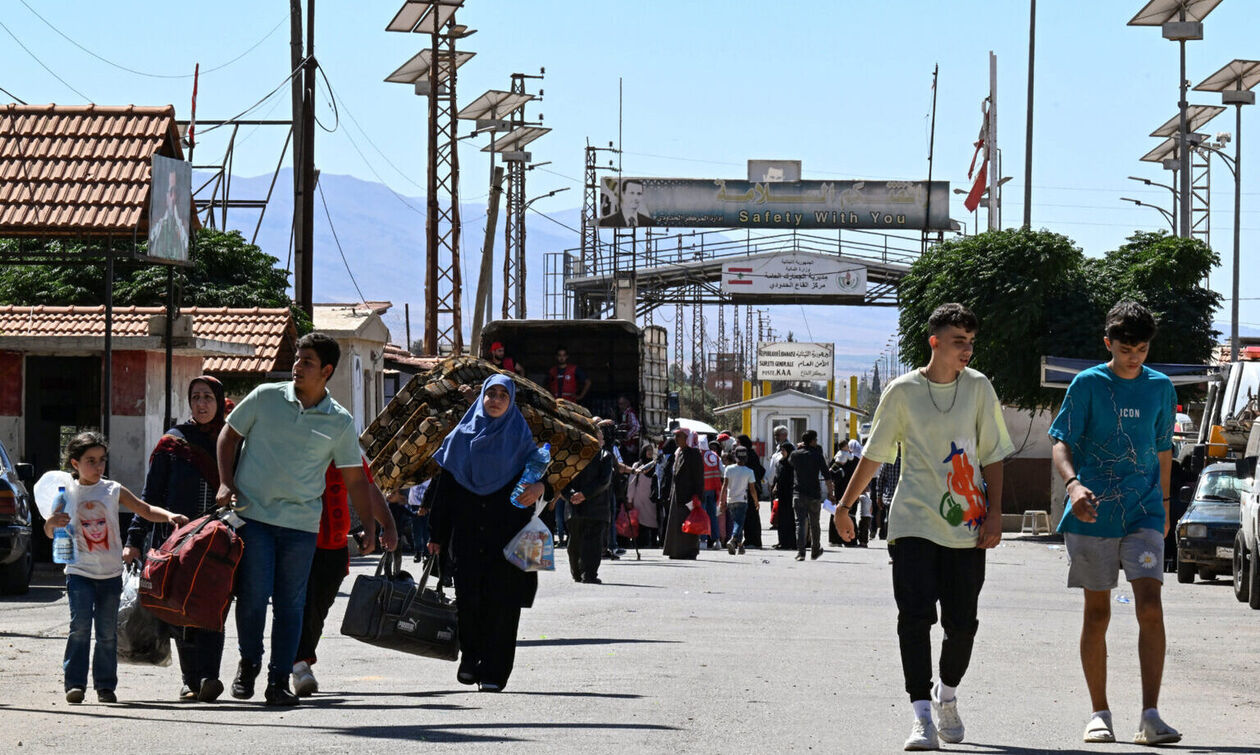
point(192, 120)
point(981, 177)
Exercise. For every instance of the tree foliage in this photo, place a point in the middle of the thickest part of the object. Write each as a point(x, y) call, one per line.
point(227, 272)
point(1036, 294)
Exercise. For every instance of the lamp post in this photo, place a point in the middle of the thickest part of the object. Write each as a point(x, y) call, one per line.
point(1170, 217)
point(1171, 189)
point(1235, 82)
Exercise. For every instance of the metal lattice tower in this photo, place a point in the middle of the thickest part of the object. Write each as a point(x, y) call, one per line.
point(721, 327)
point(514, 223)
point(1200, 196)
point(750, 348)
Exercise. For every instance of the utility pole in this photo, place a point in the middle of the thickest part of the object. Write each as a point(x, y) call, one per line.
point(1028, 127)
point(296, 85)
point(308, 167)
point(991, 145)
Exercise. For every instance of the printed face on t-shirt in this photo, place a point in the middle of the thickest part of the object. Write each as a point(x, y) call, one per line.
point(94, 525)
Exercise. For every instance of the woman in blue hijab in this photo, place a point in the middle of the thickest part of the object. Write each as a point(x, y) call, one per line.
point(473, 519)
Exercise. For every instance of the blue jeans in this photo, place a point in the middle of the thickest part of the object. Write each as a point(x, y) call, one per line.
point(561, 530)
point(276, 564)
point(736, 511)
point(710, 508)
point(420, 532)
point(92, 601)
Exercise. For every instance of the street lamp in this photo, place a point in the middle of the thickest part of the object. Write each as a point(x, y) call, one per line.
point(1170, 217)
point(1179, 21)
point(1149, 182)
point(1235, 83)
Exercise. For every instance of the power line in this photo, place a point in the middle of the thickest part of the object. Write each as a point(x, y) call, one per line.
point(257, 104)
point(328, 215)
point(365, 135)
point(19, 100)
point(43, 65)
point(557, 222)
point(121, 67)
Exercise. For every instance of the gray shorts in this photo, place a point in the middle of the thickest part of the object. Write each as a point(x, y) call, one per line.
point(1095, 562)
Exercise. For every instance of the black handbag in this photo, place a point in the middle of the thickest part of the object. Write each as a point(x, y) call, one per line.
point(390, 610)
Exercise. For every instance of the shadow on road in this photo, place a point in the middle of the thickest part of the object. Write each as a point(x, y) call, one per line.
point(981, 747)
point(573, 641)
point(463, 732)
point(38, 594)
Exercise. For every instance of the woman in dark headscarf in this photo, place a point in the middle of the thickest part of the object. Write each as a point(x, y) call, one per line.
point(687, 483)
point(752, 523)
point(781, 482)
point(184, 477)
point(473, 518)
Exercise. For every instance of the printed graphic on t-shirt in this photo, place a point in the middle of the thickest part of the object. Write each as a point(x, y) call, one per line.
point(97, 530)
point(961, 481)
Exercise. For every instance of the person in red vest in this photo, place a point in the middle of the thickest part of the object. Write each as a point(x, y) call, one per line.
point(713, 471)
point(329, 567)
point(565, 380)
point(499, 358)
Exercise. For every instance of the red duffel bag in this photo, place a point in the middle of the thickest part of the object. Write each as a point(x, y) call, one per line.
point(188, 581)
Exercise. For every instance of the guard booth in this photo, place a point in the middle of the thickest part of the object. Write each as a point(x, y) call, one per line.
point(793, 409)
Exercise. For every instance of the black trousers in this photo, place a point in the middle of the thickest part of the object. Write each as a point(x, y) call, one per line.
point(586, 545)
point(200, 653)
point(924, 574)
point(487, 634)
point(328, 569)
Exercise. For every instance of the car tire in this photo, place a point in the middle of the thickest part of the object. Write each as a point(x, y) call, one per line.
point(1241, 574)
point(1185, 572)
point(15, 578)
point(1253, 581)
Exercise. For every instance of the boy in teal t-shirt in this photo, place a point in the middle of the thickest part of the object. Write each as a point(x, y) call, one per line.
point(1112, 444)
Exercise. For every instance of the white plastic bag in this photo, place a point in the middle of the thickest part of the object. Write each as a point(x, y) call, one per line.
point(142, 639)
point(532, 549)
point(45, 490)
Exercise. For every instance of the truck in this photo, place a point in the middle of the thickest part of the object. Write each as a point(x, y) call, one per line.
point(619, 358)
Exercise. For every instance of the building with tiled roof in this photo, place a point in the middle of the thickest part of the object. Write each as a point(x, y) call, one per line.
point(52, 367)
point(81, 170)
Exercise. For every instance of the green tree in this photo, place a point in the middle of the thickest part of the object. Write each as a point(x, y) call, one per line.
point(1028, 290)
point(226, 272)
point(1036, 294)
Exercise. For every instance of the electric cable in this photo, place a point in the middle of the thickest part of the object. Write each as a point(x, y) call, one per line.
point(345, 262)
point(121, 67)
point(42, 64)
point(257, 104)
point(17, 99)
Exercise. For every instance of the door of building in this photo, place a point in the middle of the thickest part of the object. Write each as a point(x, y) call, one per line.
point(63, 397)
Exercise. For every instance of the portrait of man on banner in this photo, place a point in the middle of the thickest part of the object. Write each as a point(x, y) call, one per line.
point(169, 209)
point(625, 209)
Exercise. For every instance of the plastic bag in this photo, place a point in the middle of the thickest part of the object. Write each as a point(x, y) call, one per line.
point(142, 639)
point(532, 549)
point(697, 522)
point(628, 523)
point(45, 490)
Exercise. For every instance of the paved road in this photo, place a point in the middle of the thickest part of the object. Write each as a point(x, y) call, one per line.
point(755, 654)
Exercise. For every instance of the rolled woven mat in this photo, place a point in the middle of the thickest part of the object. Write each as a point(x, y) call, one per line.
point(401, 441)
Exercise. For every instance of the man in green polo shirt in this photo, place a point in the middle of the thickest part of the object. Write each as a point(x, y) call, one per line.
point(288, 433)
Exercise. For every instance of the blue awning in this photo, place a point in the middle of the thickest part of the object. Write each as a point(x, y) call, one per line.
point(1057, 372)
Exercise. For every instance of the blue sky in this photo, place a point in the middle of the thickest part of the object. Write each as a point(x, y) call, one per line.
point(842, 86)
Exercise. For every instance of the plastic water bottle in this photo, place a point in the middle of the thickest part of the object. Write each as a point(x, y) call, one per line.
point(535, 466)
point(64, 550)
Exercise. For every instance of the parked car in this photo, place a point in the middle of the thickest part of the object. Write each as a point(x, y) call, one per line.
point(1246, 564)
point(1205, 533)
point(16, 505)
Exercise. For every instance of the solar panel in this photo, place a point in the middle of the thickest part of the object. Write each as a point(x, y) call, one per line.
point(420, 16)
point(1196, 116)
point(1159, 12)
point(514, 140)
point(417, 68)
point(1237, 74)
point(1166, 149)
point(494, 104)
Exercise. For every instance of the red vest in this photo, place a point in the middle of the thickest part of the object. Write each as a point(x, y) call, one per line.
point(712, 472)
point(563, 384)
point(334, 522)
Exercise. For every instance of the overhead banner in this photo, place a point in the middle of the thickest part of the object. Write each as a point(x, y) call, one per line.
point(170, 205)
point(793, 274)
point(794, 360)
point(722, 203)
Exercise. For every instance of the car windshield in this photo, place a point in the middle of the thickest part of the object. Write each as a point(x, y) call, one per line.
point(1220, 486)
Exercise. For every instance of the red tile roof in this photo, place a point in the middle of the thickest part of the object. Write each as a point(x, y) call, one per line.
point(270, 331)
point(397, 356)
point(80, 170)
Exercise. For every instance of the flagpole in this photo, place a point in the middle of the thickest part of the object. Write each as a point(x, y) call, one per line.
point(927, 212)
point(991, 144)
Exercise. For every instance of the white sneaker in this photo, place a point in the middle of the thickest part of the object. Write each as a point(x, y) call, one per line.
point(1153, 731)
point(923, 735)
point(950, 726)
point(1099, 728)
point(304, 684)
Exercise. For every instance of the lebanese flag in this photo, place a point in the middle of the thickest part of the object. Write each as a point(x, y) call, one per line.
point(981, 182)
point(192, 122)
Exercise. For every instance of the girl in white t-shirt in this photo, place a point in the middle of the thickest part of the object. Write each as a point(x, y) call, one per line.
point(94, 580)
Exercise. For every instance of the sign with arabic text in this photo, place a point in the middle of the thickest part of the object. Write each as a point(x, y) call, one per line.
point(793, 274)
point(722, 203)
point(794, 360)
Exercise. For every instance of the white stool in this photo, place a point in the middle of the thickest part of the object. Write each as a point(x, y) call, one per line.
point(1035, 522)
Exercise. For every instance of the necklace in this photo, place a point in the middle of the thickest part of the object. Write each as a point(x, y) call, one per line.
point(957, 380)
